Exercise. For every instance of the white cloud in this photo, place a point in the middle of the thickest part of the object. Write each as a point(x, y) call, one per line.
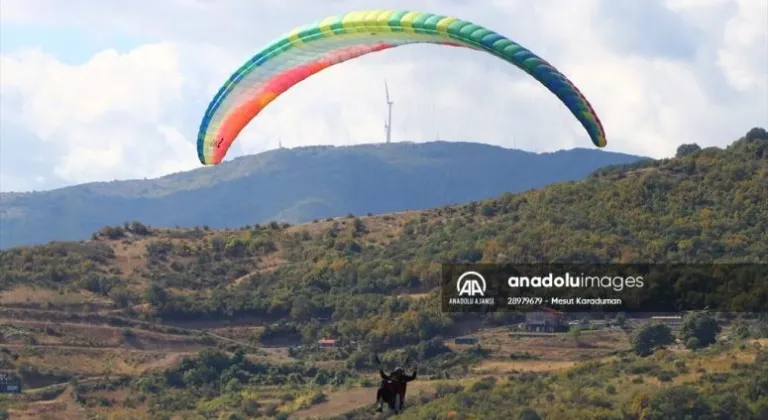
point(744, 52)
point(659, 74)
point(107, 117)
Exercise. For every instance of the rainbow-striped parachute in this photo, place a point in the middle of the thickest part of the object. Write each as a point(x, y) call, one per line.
point(309, 49)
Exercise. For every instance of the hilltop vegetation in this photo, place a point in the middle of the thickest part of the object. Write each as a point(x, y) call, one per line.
point(343, 277)
point(295, 185)
point(371, 282)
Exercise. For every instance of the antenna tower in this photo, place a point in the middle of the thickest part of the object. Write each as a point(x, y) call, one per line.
point(388, 122)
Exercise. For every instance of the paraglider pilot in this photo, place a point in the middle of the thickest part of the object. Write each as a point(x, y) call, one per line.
point(392, 384)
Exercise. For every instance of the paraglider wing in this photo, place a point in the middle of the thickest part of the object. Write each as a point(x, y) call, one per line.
point(310, 49)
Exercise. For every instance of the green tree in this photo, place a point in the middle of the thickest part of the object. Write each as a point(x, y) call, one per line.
point(731, 407)
point(156, 296)
point(139, 228)
point(756, 133)
point(687, 149)
point(321, 378)
point(679, 403)
point(233, 385)
point(701, 326)
point(651, 337)
point(740, 329)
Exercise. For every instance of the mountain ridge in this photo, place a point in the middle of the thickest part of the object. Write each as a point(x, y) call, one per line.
point(296, 185)
point(250, 159)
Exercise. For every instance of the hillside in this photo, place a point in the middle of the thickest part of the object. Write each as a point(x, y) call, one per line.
point(143, 322)
point(707, 206)
point(296, 185)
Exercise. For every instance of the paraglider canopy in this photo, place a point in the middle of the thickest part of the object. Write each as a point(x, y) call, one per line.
point(312, 48)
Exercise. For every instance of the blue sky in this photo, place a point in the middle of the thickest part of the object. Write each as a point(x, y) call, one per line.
point(124, 97)
point(71, 45)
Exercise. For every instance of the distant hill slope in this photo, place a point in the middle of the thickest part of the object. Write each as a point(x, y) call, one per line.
point(295, 185)
point(704, 206)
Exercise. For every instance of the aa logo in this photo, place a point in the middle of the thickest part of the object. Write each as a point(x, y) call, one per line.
point(471, 283)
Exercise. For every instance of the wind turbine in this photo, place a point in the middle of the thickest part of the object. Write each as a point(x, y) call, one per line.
point(388, 123)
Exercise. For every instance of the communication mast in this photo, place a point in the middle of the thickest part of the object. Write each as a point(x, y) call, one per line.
point(388, 122)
